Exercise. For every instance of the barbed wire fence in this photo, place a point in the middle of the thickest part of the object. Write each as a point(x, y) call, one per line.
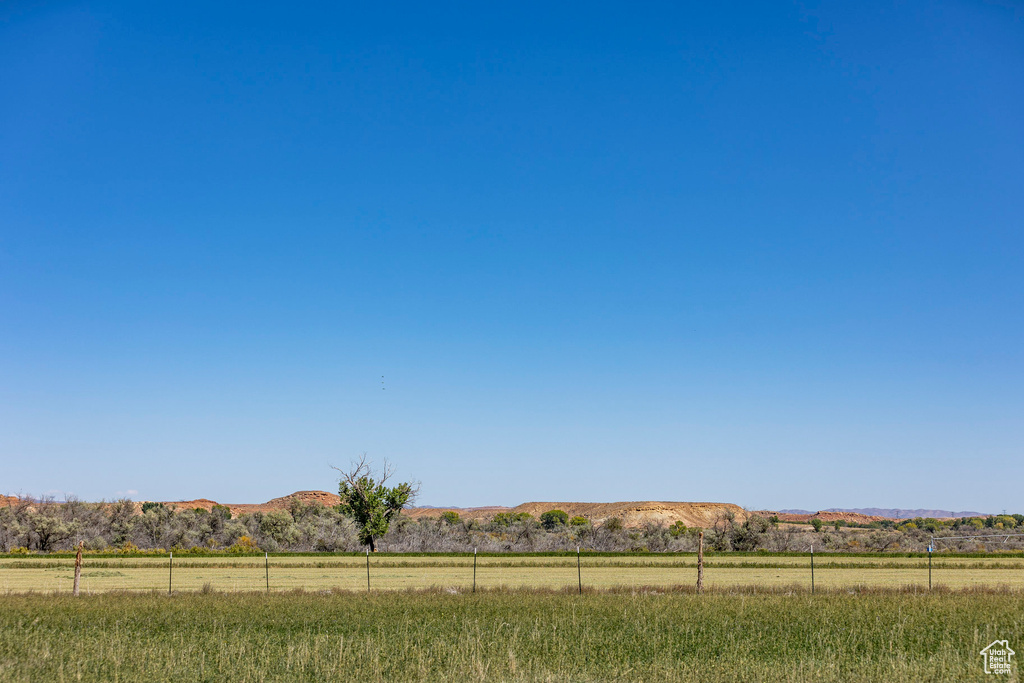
point(954, 544)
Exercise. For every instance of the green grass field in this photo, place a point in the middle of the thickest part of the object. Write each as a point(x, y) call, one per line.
point(507, 636)
point(398, 572)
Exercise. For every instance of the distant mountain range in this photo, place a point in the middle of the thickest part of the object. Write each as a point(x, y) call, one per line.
point(894, 513)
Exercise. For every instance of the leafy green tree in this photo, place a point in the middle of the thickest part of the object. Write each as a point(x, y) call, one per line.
point(553, 519)
point(450, 517)
point(613, 524)
point(370, 502)
point(816, 523)
point(49, 530)
point(503, 519)
point(279, 526)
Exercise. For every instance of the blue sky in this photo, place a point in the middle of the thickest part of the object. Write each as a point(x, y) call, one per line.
point(762, 253)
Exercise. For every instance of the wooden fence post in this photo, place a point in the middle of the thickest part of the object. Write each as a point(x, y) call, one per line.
point(700, 561)
point(78, 567)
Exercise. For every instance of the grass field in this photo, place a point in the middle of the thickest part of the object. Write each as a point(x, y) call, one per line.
point(507, 636)
point(397, 572)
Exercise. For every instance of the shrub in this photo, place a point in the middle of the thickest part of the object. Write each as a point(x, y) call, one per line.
point(613, 524)
point(677, 529)
point(96, 543)
point(816, 523)
point(279, 527)
point(579, 521)
point(450, 517)
point(553, 519)
point(150, 505)
point(244, 544)
point(1004, 522)
point(510, 518)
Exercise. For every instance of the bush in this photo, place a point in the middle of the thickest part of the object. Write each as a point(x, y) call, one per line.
point(244, 544)
point(450, 517)
point(553, 519)
point(150, 505)
point(816, 523)
point(677, 529)
point(510, 518)
point(96, 543)
point(613, 524)
point(579, 521)
point(278, 526)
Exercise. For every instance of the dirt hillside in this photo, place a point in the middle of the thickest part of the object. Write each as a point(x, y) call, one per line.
point(283, 503)
point(632, 514)
point(479, 513)
point(635, 514)
point(825, 516)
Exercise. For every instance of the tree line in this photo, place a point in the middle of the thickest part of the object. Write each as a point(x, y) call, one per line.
point(121, 526)
point(369, 516)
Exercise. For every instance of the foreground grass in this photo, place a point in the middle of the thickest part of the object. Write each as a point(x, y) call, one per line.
point(506, 636)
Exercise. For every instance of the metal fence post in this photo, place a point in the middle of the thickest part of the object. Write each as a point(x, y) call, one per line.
point(700, 561)
point(579, 570)
point(266, 565)
point(929, 567)
point(474, 570)
point(812, 569)
point(367, 570)
point(170, 572)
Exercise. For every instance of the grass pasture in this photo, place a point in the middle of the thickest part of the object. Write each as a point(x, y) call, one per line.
point(495, 635)
point(403, 572)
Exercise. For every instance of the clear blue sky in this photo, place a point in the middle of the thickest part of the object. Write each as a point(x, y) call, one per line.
point(763, 253)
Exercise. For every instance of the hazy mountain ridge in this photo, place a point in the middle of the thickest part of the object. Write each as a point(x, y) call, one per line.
point(895, 513)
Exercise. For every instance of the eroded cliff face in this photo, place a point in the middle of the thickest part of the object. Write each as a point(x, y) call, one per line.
point(636, 514)
point(632, 514)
